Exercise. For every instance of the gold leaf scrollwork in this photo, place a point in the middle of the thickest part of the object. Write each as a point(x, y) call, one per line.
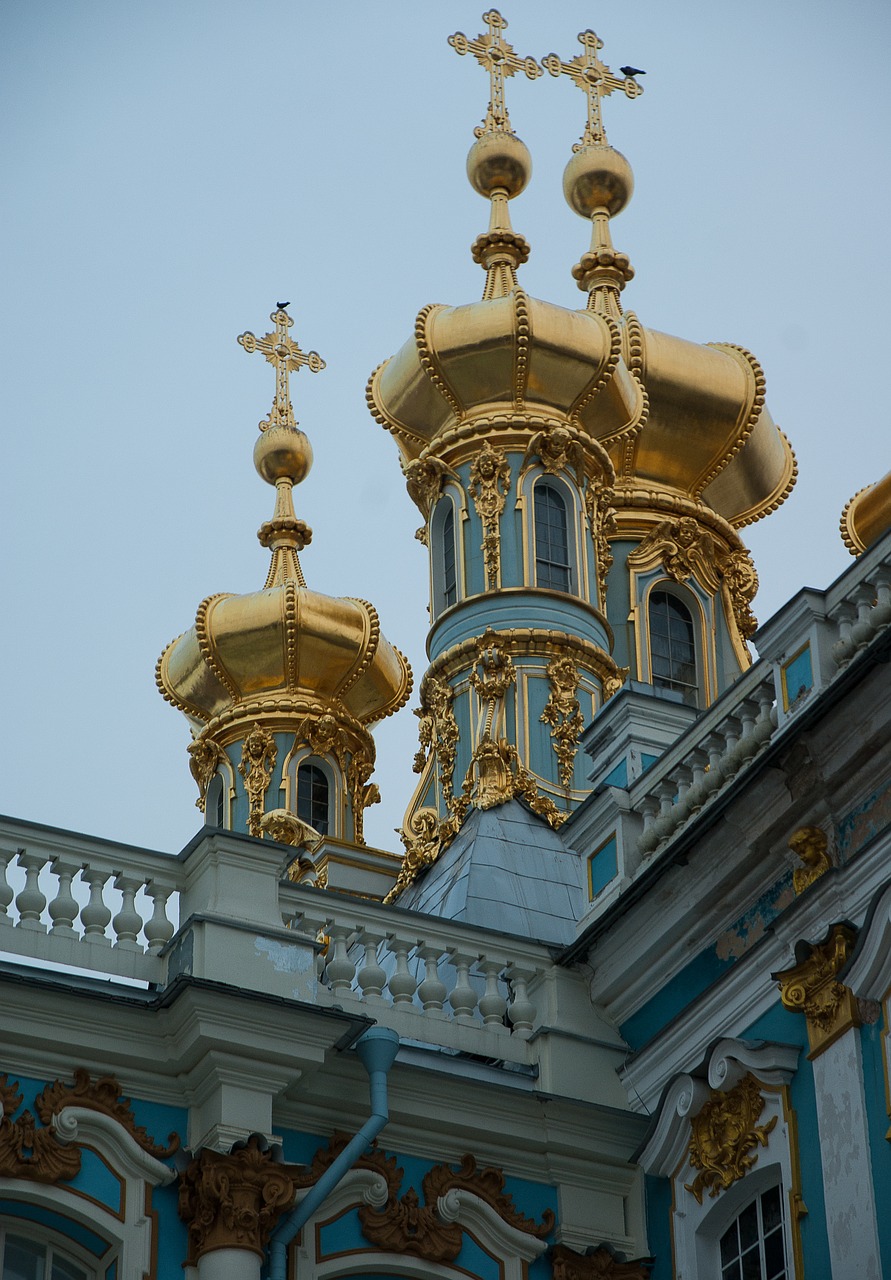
point(286, 828)
point(810, 845)
point(725, 1136)
point(602, 521)
point(362, 793)
point(489, 486)
point(438, 731)
point(258, 755)
point(423, 841)
point(204, 756)
point(741, 582)
point(493, 672)
point(563, 713)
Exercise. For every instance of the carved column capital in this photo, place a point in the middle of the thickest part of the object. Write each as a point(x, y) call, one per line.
point(811, 987)
point(234, 1201)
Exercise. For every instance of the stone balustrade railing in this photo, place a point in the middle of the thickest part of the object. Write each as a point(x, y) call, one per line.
point(71, 900)
point(434, 981)
point(833, 626)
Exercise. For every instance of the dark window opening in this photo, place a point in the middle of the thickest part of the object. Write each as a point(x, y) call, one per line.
point(449, 575)
point(672, 647)
point(752, 1247)
point(312, 797)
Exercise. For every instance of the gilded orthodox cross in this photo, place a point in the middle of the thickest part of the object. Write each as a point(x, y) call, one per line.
point(281, 350)
point(494, 53)
point(595, 79)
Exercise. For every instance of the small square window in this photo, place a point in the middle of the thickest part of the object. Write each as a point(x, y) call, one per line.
point(603, 866)
point(798, 677)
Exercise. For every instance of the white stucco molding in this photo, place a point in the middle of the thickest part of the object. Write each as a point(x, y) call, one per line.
point(112, 1141)
point(868, 973)
point(487, 1226)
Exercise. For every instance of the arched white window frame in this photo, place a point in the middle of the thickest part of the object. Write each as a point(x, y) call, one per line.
point(450, 500)
point(220, 787)
point(697, 1226)
point(336, 799)
point(130, 1235)
point(531, 478)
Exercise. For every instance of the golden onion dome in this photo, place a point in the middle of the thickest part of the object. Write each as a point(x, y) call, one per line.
point(284, 650)
point(867, 516)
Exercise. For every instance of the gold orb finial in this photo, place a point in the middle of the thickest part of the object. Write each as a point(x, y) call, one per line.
point(598, 177)
point(283, 453)
point(499, 162)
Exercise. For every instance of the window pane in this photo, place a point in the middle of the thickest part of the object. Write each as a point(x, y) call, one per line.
point(771, 1209)
point(449, 579)
point(751, 1265)
point(23, 1260)
point(63, 1270)
point(774, 1256)
point(312, 797)
point(729, 1245)
point(672, 646)
point(551, 539)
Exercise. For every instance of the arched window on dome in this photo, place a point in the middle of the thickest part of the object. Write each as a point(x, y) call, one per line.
point(672, 646)
point(553, 566)
point(313, 796)
point(444, 554)
point(214, 804)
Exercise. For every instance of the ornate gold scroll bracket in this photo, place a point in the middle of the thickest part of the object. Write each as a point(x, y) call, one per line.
point(811, 987)
point(598, 1264)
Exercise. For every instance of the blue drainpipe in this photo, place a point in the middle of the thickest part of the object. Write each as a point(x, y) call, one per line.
point(377, 1049)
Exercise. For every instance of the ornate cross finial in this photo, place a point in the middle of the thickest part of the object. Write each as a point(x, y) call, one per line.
point(286, 355)
point(494, 53)
point(596, 80)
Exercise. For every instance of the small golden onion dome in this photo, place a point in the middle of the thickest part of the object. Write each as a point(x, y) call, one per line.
point(867, 516)
point(285, 648)
point(598, 177)
point(499, 162)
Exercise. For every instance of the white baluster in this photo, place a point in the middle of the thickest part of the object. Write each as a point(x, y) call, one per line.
point(748, 743)
point(764, 725)
point(493, 1005)
point(463, 996)
point(95, 916)
point(341, 969)
point(372, 977)
point(432, 991)
point(64, 907)
point(648, 839)
point(30, 902)
point(731, 730)
point(521, 1011)
point(6, 894)
point(127, 924)
point(402, 984)
point(863, 629)
point(715, 745)
point(881, 614)
point(844, 645)
point(698, 790)
point(159, 929)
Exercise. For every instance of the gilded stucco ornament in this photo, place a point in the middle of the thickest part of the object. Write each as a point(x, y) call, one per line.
point(602, 522)
point(557, 449)
point(810, 844)
point(598, 1264)
point(424, 478)
point(286, 828)
point(741, 582)
point(362, 793)
point(811, 987)
point(258, 755)
point(234, 1201)
point(204, 756)
point(683, 549)
point(563, 713)
point(489, 486)
point(725, 1137)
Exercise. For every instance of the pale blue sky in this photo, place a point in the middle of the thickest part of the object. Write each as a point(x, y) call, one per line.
point(171, 169)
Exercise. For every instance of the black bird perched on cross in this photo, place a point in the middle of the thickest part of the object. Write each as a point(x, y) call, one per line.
point(632, 71)
point(281, 305)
